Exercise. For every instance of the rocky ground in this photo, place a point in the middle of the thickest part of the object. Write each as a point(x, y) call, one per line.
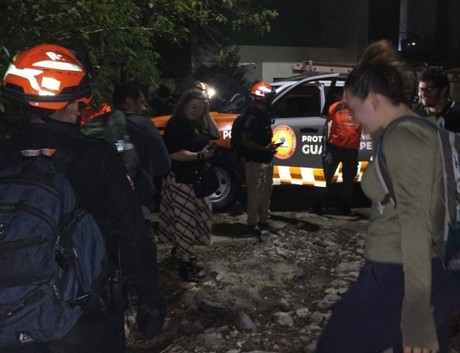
point(273, 296)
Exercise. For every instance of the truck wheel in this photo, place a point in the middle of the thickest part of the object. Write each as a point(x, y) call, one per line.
point(228, 190)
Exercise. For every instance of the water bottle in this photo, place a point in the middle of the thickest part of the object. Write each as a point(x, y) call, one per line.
point(128, 144)
point(120, 145)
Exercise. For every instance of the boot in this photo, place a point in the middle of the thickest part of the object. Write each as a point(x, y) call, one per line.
point(187, 272)
point(198, 270)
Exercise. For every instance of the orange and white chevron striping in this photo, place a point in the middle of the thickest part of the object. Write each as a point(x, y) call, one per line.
point(310, 176)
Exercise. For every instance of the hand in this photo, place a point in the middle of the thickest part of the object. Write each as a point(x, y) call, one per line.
point(211, 145)
point(417, 350)
point(271, 147)
point(208, 151)
point(149, 321)
point(327, 158)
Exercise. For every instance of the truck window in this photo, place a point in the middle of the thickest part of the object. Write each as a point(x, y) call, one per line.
point(302, 101)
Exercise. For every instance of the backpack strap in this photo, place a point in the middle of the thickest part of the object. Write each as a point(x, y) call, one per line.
point(383, 173)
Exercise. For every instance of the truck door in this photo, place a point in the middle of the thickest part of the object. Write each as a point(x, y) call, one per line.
point(299, 125)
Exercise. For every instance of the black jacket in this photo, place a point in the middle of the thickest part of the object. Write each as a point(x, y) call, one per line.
point(259, 125)
point(102, 186)
point(448, 118)
point(153, 155)
point(181, 134)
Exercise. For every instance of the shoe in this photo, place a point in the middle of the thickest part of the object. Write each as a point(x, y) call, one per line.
point(267, 226)
point(197, 269)
point(188, 272)
point(255, 230)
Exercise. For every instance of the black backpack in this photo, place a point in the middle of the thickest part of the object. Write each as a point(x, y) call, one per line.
point(52, 253)
point(112, 127)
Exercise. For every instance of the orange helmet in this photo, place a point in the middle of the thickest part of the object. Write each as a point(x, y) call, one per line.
point(47, 76)
point(262, 92)
point(90, 113)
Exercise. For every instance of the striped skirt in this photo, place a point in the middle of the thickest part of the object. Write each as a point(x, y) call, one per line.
point(185, 221)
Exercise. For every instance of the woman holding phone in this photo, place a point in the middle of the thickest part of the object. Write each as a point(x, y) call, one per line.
point(185, 220)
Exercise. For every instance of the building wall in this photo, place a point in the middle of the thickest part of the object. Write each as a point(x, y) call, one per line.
point(343, 33)
point(266, 63)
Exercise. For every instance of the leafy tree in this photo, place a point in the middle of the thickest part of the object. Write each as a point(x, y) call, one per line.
point(225, 74)
point(120, 36)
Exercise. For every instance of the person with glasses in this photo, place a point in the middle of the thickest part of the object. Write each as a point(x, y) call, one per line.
point(434, 100)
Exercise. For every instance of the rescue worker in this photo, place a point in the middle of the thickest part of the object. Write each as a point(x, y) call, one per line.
point(342, 146)
point(257, 153)
point(52, 98)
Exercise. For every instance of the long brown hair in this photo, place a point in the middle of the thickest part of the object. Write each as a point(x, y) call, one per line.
point(179, 112)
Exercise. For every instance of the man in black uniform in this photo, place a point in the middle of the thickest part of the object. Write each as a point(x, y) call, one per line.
point(51, 85)
point(434, 90)
point(257, 152)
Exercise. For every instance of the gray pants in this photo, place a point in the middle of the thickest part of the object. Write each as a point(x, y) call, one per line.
point(259, 181)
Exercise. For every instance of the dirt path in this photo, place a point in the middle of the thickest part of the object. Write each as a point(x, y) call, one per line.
point(272, 296)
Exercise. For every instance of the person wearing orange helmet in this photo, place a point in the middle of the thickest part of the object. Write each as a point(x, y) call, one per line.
point(257, 153)
point(51, 86)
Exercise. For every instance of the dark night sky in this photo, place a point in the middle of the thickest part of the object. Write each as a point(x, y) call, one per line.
point(298, 24)
point(314, 23)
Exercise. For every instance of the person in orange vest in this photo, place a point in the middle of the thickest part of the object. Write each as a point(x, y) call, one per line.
point(342, 145)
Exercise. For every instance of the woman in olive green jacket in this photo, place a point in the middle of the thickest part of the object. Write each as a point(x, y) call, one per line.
point(403, 298)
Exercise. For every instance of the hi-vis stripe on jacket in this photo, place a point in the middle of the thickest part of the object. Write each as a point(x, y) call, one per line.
point(310, 176)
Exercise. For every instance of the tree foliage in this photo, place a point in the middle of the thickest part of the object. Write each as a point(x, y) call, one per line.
point(226, 74)
point(120, 36)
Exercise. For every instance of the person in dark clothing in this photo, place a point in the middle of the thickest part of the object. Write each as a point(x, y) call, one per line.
point(341, 146)
point(434, 100)
point(185, 220)
point(102, 186)
point(150, 147)
point(257, 151)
